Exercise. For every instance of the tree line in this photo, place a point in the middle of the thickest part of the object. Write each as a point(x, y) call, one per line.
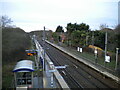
point(81, 35)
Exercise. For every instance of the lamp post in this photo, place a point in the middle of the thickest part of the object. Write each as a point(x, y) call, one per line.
point(87, 40)
point(116, 58)
point(44, 49)
point(93, 38)
point(105, 47)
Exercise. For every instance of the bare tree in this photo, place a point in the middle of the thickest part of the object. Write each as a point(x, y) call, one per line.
point(103, 26)
point(5, 21)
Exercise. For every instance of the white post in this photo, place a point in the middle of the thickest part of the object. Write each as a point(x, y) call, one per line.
point(116, 58)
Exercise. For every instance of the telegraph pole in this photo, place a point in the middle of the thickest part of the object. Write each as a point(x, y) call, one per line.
point(87, 40)
point(44, 49)
point(105, 47)
point(93, 38)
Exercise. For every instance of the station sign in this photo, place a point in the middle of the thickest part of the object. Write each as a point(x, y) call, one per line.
point(60, 67)
point(78, 49)
point(51, 71)
point(81, 50)
point(107, 59)
point(31, 52)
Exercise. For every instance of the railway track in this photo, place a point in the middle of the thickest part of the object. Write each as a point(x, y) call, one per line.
point(78, 75)
point(67, 76)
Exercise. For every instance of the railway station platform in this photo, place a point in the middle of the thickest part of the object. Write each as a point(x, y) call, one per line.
point(51, 78)
point(94, 66)
point(58, 81)
point(37, 82)
point(47, 79)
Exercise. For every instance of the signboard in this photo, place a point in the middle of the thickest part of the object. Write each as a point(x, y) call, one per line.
point(51, 71)
point(107, 59)
point(31, 52)
point(60, 67)
point(81, 50)
point(95, 51)
point(77, 48)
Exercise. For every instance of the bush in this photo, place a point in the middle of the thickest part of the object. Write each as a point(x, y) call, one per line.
point(14, 43)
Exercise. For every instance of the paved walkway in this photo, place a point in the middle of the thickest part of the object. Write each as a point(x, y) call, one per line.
point(45, 80)
point(37, 82)
point(90, 64)
point(60, 83)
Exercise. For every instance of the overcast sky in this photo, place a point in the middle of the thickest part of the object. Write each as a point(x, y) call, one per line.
point(35, 14)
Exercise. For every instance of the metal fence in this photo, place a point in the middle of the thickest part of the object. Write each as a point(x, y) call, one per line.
point(99, 58)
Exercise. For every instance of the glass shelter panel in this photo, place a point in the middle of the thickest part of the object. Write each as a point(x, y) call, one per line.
point(24, 78)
